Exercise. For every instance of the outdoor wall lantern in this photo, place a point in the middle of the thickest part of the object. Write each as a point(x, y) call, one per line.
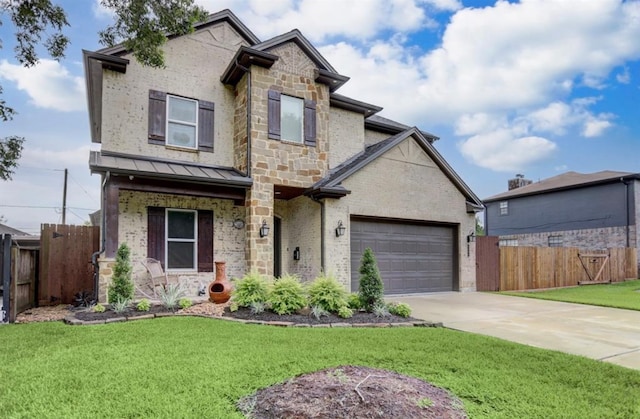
point(471, 237)
point(296, 254)
point(264, 229)
point(340, 229)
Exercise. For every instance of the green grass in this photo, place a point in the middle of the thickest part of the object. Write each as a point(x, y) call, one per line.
point(183, 367)
point(619, 295)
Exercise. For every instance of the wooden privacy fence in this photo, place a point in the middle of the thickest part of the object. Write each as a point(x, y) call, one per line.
point(524, 268)
point(65, 262)
point(19, 279)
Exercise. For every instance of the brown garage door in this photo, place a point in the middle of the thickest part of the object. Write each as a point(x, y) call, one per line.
point(411, 258)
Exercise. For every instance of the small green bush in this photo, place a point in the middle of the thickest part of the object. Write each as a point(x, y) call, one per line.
point(325, 291)
point(399, 309)
point(249, 289)
point(381, 310)
point(371, 289)
point(345, 312)
point(354, 302)
point(120, 305)
point(287, 295)
point(121, 287)
point(318, 311)
point(171, 294)
point(98, 308)
point(233, 306)
point(185, 303)
point(257, 307)
point(143, 305)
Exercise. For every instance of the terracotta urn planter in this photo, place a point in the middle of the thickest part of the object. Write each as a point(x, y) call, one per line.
point(220, 288)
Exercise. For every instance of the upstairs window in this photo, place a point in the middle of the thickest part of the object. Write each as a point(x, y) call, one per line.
point(291, 119)
point(180, 122)
point(508, 242)
point(555, 241)
point(504, 208)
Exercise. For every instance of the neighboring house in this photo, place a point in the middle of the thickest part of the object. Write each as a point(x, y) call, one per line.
point(5, 229)
point(236, 136)
point(591, 211)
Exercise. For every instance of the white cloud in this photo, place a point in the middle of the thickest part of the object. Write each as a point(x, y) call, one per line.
point(594, 127)
point(504, 150)
point(40, 157)
point(48, 84)
point(101, 12)
point(624, 77)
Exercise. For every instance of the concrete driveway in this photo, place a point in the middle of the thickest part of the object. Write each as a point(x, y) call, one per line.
point(606, 334)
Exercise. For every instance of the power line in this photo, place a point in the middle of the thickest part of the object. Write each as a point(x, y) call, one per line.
point(43, 207)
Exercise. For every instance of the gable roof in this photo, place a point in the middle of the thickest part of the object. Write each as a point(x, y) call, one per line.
point(331, 185)
point(388, 126)
point(5, 229)
point(565, 181)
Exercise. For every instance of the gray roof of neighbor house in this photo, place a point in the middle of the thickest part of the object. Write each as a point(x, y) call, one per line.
point(5, 229)
point(331, 185)
point(124, 164)
point(564, 181)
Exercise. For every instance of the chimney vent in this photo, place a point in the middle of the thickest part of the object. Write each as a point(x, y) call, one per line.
point(518, 182)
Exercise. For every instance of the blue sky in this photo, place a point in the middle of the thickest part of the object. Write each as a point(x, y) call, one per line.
point(538, 87)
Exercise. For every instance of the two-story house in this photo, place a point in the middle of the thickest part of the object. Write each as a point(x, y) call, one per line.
point(587, 210)
point(240, 150)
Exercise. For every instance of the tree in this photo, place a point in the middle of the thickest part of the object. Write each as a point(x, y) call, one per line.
point(121, 287)
point(140, 25)
point(479, 228)
point(371, 290)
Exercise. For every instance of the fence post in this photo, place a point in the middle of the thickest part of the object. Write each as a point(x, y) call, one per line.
point(5, 274)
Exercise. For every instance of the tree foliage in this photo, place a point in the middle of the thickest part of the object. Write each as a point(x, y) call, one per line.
point(140, 25)
point(10, 150)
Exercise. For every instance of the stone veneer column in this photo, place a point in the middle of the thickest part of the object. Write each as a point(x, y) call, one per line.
point(259, 250)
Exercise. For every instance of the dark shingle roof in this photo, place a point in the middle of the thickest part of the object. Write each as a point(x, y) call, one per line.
point(568, 180)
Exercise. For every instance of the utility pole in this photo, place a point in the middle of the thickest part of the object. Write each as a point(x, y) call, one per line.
point(64, 198)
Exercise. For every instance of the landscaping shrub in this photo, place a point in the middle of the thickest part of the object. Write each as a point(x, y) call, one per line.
point(171, 294)
point(345, 312)
point(121, 287)
point(318, 311)
point(354, 302)
point(257, 307)
point(249, 289)
point(98, 308)
point(381, 310)
point(371, 288)
point(326, 292)
point(185, 303)
point(287, 295)
point(143, 305)
point(399, 309)
point(120, 305)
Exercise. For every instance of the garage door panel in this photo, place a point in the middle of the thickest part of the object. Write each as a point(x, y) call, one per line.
point(411, 258)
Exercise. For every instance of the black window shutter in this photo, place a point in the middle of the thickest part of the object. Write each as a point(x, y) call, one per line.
point(274, 114)
point(157, 117)
point(205, 126)
point(155, 234)
point(310, 123)
point(205, 241)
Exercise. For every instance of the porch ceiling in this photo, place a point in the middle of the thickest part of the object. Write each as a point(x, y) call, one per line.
point(287, 192)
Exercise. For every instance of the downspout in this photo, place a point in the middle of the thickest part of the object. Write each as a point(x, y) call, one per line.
point(322, 224)
point(103, 240)
point(626, 196)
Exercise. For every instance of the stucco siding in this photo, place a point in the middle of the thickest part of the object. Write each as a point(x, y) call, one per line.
point(194, 64)
point(374, 137)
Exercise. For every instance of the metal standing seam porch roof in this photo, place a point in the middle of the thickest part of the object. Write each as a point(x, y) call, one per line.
point(125, 164)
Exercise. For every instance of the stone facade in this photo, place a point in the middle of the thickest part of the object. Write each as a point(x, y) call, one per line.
point(417, 191)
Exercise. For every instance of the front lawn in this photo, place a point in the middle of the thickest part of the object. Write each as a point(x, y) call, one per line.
point(197, 367)
point(618, 295)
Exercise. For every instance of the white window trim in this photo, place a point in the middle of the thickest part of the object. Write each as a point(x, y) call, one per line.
point(181, 122)
point(194, 267)
point(504, 207)
point(301, 118)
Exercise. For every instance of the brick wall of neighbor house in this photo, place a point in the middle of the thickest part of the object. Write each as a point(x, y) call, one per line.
point(636, 219)
point(346, 135)
point(228, 242)
point(595, 238)
point(419, 190)
point(126, 96)
point(280, 162)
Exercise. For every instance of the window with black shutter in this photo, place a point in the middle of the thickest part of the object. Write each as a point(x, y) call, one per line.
point(180, 122)
point(181, 239)
point(291, 119)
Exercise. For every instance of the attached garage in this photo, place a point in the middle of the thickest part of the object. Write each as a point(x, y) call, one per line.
point(412, 258)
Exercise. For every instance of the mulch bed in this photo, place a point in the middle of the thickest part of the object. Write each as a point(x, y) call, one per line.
point(358, 317)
